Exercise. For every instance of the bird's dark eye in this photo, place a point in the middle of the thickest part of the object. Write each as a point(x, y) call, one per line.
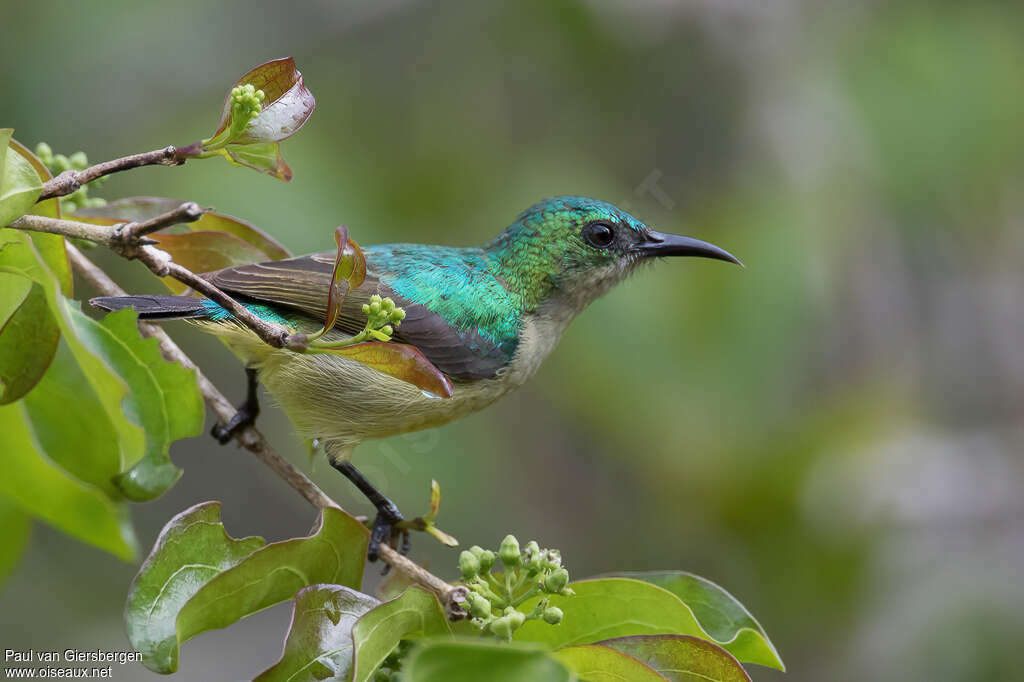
point(599, 235)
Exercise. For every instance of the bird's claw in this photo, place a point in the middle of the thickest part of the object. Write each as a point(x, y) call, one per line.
point(245, 416)
point(384, 530)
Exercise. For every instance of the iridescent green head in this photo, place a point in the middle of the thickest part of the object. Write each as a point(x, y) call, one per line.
point(579, 248)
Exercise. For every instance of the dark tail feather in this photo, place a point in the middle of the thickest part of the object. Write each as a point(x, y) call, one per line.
point(154, 307)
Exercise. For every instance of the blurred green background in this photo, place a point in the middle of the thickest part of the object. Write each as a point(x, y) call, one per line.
point(833, 434)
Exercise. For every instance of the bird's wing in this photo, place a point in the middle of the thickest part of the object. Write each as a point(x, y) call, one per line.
point(302, 283)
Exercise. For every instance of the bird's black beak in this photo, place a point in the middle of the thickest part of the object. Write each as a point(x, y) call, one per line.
point(662, 244)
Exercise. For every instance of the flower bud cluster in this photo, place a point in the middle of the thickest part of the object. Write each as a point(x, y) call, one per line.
point(493, 598)
point(382, 317)
point(246, 104)
point(57, 164)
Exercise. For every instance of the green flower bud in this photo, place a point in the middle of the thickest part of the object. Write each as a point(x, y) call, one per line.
point(469, 565)
point(398, 315)
point(552, 615)
point(517, 618)
point(387, 329)
point(532, 548)
point(387, 305)
point(61, 162)
point(479, 606)
point(44, 153)
point(502, 627)
point(375, 308)
point(79, 161)
point(69, 207)
point(509, 551)
point(376, 299)
point(556, 581)
point(366, 309)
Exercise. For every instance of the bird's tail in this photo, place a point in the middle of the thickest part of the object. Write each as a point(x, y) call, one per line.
point(156, 307)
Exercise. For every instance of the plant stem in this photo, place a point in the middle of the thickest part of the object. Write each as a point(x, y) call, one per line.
point(70, 181)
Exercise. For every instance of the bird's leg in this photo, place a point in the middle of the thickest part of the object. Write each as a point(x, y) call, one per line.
point(387, 512)
point(247, 411)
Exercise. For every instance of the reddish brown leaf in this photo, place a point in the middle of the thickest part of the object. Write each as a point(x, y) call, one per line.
point(139, 209)
point(287, 104)
point(205, 251)
point(401, 361)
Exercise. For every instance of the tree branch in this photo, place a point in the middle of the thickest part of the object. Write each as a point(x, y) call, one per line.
point(127, 239)
point(450, 596)
point(70, 181)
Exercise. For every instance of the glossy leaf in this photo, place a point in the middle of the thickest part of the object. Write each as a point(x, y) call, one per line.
point(411, 615)
point(617, 607)
point(19, 255)
point(28, 337)
point(319, 645)
point(28, 331)
point(472, 660)
point(49, 246)
point(15, 528)
point(596, 663)
point(164, 398)
point(19, 183)
point(42, 489)
point(287, 105)
point(71, 426)
point(193, 548)
point(719, 613)
point(680, 658)
point(139, 209)
point(335, 553)
point(204, 252)
point(401, 361)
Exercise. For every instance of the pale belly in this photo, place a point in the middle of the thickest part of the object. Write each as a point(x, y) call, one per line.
point(343, 402)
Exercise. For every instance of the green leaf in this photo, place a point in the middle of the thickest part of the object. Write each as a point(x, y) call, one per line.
point(319, 643)
point(44, 490)
point(679, 658)
point(335, 553)
point(164, 398)
point(15, 527)
point(617, 607)
point(719, 613)
point(28, 337)
point(472, 660)
point(19, 255)
point(193, 548)
point(596, 663)
point(411, 615)
point(140, 209)
point(264, 157)
point(70, 425)
point(401, 361)
point(19, 183)
point(287, 105)
point(28, 332)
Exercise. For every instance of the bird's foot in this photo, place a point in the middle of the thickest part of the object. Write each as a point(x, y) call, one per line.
point(246, 413)
point(245, 416)
point(385, 530)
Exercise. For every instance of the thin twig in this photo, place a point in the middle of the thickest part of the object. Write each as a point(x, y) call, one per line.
point(70, 181)
point(130, 233)
point(450, 596)
point(69, 228)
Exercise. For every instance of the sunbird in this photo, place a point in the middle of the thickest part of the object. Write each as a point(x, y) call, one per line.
point(485, 316)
